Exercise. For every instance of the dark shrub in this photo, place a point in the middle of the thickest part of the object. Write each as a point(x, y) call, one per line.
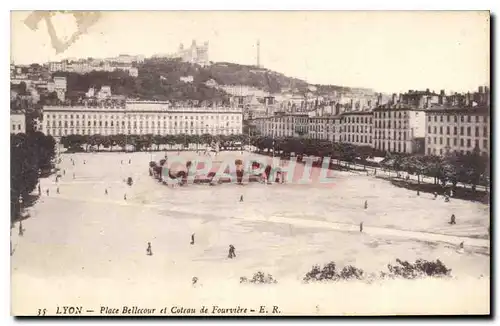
point(259, 278)
point(421, 268)
point(329, 273)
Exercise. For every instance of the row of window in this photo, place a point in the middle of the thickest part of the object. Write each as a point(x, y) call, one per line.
point(358, 120)
point(381, 134)
point(175, 117)
point(399, 147)
point(463, 143)
point(14, 127)
point(112, 124)
point(391, 114)
point(455, 130)
point(476, 118)
point(65, 132)
point(383, 124)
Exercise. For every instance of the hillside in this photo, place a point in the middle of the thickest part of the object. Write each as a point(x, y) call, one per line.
point(160, 79)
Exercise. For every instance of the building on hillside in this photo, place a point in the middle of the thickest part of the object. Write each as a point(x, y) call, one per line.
point(194, 54)
point(104, 93)
point(399, 129)
point(17, 123)
point(457, 129)
point(357, 128)
point(141, 118)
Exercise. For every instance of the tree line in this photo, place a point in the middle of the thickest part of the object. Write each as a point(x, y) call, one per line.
point(31, 156)
point(147, 142)
point(470, 168)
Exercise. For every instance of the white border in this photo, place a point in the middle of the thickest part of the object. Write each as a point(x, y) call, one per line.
point(192, 5)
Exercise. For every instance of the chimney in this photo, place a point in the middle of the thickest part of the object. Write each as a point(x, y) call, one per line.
point(480, 89)
point(427, 101)
point(467, 99)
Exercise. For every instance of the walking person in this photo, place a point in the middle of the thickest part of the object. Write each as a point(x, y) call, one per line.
point(361, 227)
point(57, 190)
point(232, 253)
point(452, 219)
point(106, 191)
point(73, 176)
point(21, 230)
point(366, 204)
point(47, 192)
point(39, 190)
point(125, 196)
point(241, 198)
point(149, 251)
point(192, 239)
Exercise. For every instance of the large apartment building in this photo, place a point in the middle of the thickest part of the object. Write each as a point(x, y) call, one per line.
point(450, 129)
point(399, 129)
point(141, 118)
point(357, 128)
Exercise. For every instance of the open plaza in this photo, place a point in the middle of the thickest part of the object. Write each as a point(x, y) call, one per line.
point(87, 236)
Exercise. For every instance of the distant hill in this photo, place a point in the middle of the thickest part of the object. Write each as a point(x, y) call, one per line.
point(160, 79)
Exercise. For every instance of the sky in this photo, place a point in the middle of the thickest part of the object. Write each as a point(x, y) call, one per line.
point(385, 51)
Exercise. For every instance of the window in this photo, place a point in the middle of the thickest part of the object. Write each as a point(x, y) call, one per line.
point(435, 118)
point(454, 142)
point(441, 119)
point(477, 132)
point(448, 118)
point(456, 119)
point(462, 142)
point(454, 130)
point(434, 140)
point(476, 143)
point(485, 132)
point(468, 130)
point(461, 118)
point(429, 129)
point(468, 143)
point(429, 140)
point(468, 118)
point(440, 140)
point(485, 144)
point(435, 130)
point(447, 141)
point(13, 127)
point(441, 130)
point(447, 129)
point(461, 131)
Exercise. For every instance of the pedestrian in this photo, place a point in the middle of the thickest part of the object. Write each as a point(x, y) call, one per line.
point(64, 172)
point(47, 192)
point(461, 246)
point(121, 162)
point(194, 280)
point(192, 239)
point(361, 227)
point(39, 190)
point(231, 252)
point(418, 192)
point(125, 196)
point(435, 194)
point(366, 204)
point(129, 160)
point(451, 193)
point(452, 219)
point(106, 191)
point(57, 190)
point(73, 176)
point(21, 230)
point(446, 199)
point(84, 162)
point(241, 198)
point(149, 251)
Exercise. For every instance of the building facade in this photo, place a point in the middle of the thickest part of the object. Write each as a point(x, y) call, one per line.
point(461, 130)
point(140, 118)
point(17, 123)
point(357, 128)
point(398, 130)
